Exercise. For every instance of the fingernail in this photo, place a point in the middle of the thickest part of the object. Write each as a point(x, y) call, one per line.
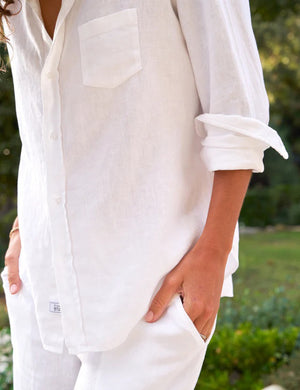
point(149, 316)
point(13, 288)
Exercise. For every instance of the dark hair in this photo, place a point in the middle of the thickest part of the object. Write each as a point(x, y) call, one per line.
point(4, 14)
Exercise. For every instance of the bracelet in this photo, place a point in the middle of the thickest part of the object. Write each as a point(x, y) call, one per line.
point(13, 230)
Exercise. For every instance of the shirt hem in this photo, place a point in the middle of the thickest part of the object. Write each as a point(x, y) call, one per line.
point(227, 291)
point(51, 348)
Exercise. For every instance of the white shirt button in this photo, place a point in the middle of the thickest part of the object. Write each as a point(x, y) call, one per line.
point(57, 199)
point(53, 135)
point(50, 75)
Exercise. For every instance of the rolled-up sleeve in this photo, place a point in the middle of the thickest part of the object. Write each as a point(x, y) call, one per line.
point(233, 123)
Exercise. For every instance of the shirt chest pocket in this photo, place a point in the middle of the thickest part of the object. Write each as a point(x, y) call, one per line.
point(110, 49)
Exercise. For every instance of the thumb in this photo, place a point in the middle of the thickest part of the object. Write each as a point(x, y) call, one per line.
point(161, 299)
point(12, 262)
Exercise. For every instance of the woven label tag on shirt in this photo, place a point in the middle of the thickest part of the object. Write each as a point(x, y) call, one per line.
point(54, 307)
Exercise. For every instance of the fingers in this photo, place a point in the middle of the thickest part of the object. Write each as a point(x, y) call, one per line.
point(195, 308)
point(202, 315)
point(162, 298)
point(207, 328)
point(12, 263)
point(13, 277)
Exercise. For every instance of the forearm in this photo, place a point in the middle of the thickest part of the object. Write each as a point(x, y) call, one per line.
point(229, 190)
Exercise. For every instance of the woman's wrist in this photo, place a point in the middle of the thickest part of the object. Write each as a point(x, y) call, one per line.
point(15, 228)
point(216, 241)
point(13, 231)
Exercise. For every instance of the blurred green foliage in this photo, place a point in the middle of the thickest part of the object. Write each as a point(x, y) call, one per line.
point(10, 147)
point(277, 311)
point(276, 26)
point(6, 364)
point(250, 342)
point(238, 358)
point(272, 205)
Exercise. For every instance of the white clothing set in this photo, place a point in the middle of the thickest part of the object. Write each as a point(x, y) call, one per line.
point(124, 117)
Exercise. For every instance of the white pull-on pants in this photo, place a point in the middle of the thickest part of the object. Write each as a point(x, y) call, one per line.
point(164, 355)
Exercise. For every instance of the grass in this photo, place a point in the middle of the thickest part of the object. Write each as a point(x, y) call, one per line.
point(268, 260)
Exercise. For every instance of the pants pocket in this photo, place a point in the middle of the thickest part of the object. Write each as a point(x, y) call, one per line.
point(185, 321)
point(16, 304)
point(164, 351)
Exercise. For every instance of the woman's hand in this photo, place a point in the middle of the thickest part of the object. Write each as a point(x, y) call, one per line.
point(198, 277)
point(12, 261)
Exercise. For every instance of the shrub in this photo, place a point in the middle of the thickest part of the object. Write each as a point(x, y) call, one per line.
point(271, 205)
point(276, 311)
point(237, 358)
point(250, 341)
point(6, 370)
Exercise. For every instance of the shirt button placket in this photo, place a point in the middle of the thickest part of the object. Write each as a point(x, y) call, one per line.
point(53, 136)
point(67, 287)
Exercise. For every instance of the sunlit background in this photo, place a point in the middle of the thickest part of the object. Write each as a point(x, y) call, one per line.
point(257, 341)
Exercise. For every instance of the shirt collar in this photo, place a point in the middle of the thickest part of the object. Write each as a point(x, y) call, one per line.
point(66, 6)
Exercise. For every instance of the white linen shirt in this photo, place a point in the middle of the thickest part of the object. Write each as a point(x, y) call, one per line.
point(124, 117)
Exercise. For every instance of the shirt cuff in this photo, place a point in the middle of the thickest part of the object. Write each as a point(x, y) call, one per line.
point(227, 289)
point(236, 142)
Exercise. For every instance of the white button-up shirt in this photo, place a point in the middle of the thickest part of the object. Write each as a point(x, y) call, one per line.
point(124, 117)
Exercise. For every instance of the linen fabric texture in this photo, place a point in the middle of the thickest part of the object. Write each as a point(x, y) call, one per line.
point(166, 354)
point(124, 117)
